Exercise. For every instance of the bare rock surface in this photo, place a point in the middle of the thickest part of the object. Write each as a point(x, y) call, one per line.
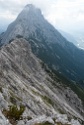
point(3, 120)
point(24, 81)
point(58, 120)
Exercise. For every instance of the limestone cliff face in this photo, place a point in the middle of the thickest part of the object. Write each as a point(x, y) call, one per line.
point(24, 81)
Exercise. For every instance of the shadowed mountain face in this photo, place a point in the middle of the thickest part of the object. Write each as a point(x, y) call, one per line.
point(47, 43)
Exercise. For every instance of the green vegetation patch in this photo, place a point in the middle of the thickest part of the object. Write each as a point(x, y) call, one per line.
point(14, 113)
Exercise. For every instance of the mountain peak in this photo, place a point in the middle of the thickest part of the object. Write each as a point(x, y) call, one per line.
point(29, 11)
point(30, 6)
point(31, 24)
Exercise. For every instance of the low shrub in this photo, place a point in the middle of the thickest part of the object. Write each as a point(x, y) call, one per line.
point(14, 112)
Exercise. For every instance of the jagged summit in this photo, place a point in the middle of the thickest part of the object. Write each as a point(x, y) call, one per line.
point(31, 22)
point(25, 24)
point(29, 6)
point(29, 12)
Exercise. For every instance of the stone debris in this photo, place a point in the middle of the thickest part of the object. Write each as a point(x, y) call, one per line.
point(62, 119)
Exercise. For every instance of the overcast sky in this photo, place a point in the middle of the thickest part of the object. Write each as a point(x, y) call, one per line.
point(67, 15)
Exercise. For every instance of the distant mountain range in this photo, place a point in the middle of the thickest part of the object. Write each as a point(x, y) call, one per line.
point(77, 38)
point(69, 37)
point(80, 40)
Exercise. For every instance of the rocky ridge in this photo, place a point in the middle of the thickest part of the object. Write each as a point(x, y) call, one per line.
point(24, 81)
